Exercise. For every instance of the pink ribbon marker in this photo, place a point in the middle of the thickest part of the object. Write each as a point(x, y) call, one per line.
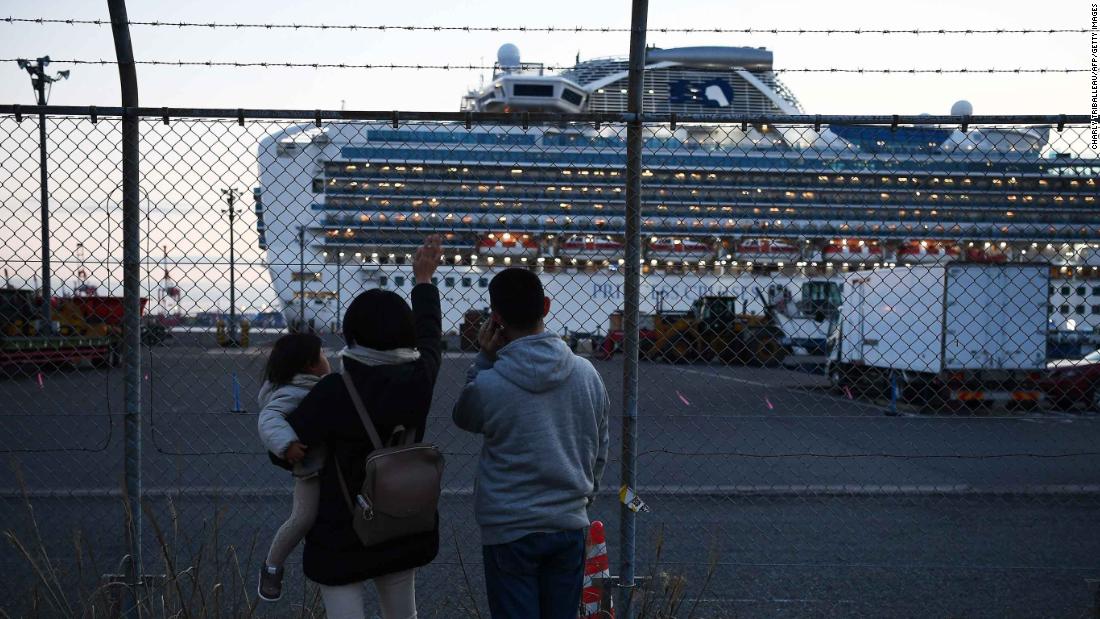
point(40, 385)
point(847, 392)
point(769, 403)
point(683, 399)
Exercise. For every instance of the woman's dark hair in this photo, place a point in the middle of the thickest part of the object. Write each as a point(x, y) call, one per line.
point(291, 354)
point(381, 320)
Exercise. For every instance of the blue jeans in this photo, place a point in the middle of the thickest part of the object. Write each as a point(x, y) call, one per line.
point(539, 576)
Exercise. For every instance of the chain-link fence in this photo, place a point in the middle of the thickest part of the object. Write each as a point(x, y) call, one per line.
point(866, 379)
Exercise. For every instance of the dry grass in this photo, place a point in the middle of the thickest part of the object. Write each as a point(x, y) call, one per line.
point(216, 582)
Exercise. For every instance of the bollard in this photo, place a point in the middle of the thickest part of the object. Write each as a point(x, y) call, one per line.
point(245, 328)
point(219, 333)
point(236, 395)
point(893, 410)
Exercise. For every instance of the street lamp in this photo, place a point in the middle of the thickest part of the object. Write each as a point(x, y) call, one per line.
point(231, 196)
point(39, 80)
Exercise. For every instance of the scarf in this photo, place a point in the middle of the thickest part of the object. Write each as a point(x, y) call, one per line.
point(304, 381)
point(372, 357)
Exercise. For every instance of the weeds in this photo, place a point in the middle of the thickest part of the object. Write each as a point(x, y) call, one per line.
point(199, 578)
point(216, 582)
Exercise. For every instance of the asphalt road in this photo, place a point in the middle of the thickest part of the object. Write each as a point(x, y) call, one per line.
point(796, 501)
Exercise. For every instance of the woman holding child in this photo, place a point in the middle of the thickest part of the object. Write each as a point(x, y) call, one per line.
point(392, 354)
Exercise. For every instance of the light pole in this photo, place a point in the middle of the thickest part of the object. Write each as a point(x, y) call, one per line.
point(39, 79)
point(231, 196)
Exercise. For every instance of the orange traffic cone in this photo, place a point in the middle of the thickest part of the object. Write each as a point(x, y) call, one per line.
point(595, 601)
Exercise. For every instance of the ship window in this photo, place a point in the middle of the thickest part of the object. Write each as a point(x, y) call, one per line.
point(298, 276)
point(467, 282)
point(449, 281)
point(435, 281)
point(482, 282)
point(1096, 291)
point(533, 90)
point(572, 96)
point(1081, 291)
point(1096, 310)
point(1065, 291)
point(1064, 310)
point(399, 281)
point(318, 185)
point(383, 281)
point(1080, 309)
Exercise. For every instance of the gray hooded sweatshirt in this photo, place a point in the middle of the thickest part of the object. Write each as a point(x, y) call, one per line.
point(543, 413)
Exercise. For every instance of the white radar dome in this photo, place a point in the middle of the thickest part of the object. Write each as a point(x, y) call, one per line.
point(508, 55)
point(962, 108)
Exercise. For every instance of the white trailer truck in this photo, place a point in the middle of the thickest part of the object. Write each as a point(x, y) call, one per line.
point(944, 335)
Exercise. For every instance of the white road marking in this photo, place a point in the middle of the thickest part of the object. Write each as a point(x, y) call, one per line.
point(724, 377)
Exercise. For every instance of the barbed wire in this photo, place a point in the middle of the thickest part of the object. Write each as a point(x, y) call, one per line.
point(482, 67)
point(546, 29)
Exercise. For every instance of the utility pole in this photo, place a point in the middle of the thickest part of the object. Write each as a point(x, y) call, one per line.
point(39, 80)
point(231, 196)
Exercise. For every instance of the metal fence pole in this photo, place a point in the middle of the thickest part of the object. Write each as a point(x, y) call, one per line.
point(43, 162)
point(632, 293)
point(131, 292)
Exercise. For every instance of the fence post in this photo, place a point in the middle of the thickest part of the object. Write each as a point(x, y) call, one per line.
point(632, 294)
point(131, 293)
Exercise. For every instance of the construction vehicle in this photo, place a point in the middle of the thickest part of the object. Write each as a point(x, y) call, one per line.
point(87, 329)
point(715, 331)
point(613, 341)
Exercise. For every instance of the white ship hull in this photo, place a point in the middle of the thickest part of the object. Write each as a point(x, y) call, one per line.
point(582, 301)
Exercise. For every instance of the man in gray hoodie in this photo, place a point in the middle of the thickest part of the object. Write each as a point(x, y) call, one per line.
point(543, 413)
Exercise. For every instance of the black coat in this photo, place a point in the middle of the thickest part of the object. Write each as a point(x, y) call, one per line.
point(394, 395)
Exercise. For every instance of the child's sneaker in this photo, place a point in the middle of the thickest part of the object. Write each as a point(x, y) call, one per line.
point(270, 586)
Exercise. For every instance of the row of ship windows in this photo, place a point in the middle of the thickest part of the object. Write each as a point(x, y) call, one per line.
point(1081, 291)
point(393, 171)
point(569, 215)
point(340, 194)
point(763, 177)
point(509, 158)
point(449, 282)
point(1079, 310)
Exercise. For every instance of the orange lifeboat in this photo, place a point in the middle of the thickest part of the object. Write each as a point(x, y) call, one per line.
point(507, 245)
point(927, 252)
point(852, 251)
point(679, 249)
point(767, 251)
point(590, 247)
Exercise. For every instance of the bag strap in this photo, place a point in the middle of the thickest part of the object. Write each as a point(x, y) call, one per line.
point(343, 485)
point(356, 400)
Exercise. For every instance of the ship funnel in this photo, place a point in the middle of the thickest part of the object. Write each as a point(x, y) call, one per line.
point(752, 58)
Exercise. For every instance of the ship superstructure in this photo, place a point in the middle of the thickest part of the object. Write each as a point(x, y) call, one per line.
point(726, 209)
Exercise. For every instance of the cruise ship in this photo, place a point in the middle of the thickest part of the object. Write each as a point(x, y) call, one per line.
point(755, 211)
